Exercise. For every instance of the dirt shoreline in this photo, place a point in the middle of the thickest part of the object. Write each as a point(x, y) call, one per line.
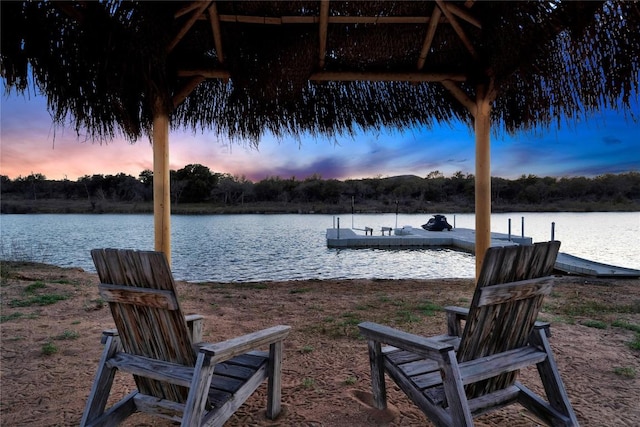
point(325, 370)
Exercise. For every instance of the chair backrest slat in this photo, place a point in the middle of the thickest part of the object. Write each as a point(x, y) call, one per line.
point(155, 329)
point(497, 322)
point(139, 296)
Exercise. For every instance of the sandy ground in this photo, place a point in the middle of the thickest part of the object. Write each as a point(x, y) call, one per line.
point(325, 370)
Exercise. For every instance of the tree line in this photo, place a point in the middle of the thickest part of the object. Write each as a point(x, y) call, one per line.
point(197, 184)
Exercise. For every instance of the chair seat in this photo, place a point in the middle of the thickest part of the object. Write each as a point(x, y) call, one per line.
point(230, 376)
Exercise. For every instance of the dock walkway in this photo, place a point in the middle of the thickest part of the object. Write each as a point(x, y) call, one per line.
point(409, 237)
point(575, 265)
point(463, 239)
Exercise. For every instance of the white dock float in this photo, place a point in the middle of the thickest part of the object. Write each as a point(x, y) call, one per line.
point(409, 237)
point(575, 265)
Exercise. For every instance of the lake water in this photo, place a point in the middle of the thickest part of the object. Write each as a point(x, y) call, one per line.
point(245, 248)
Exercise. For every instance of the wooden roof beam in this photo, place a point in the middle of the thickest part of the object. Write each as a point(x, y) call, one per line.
point(346, 76)
point(188, 8)
point(215, 29)
point(207, 74)
point(461, 96)
point(324, 21)
point(463, 14)
point(195, 15)
point(457, 28)
point(414, 77)
point(181, 95)
point(282, 20)
point(431, 31)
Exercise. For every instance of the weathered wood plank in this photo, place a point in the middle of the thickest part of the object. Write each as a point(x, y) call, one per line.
point(436, 413)
point(493, 400)
point(115, 414)
point(223, 412)
point(160, 370)
point(551, 380)
point(99, 394)
point(160, 407)
point(378, 385)
point(194, 408)
point(138, 296)
point(274, 382)
point(515, 291)
point(414, 343)
point(235, 346)
point(195, 324)
point(454, 390)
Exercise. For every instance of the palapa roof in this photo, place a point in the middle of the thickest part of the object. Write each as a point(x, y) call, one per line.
point(323, 67)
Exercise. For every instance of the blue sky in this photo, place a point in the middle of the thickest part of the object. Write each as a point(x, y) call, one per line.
point(604, 143)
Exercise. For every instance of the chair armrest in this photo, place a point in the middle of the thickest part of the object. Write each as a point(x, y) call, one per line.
point(108, 333)
point(225, 350)
point(420, 345)
point(461, 312)
point(455, 316)
point(543, 325)
point(195, 324)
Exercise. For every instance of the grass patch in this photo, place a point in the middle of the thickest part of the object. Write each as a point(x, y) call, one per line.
point(626, 325)
point(12, 316)
point(49, 348)
point(407, 316)
point(598, 324)
point(595, 308)
point(306, 349)
point(627, 371)
point(308, 382)
point(384, 298)
point(37, 300)
point(428, 308)
point(635, 344)
point(67, 335)
point(351, 380)
point(32, 288)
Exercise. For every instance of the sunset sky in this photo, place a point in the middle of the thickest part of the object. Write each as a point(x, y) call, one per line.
point(605, 143)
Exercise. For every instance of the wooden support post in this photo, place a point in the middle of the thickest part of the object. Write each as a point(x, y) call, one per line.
point(483, 176)
point(161, 183)
point(274, 386)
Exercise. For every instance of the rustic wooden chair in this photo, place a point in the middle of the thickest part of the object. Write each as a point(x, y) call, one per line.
point(454, 377)
point(177, 377)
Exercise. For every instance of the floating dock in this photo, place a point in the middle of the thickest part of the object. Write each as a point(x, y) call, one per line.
point(463, 239)
point(410, 237)
point(575, 265)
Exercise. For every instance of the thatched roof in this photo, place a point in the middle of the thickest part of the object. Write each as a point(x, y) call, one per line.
point(320, 66)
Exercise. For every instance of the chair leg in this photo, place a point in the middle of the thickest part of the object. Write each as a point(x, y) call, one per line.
point(274, 383)
point(194, 408)
point(551, 380)
point(377, 375)
point(97, 400)
point(454, 390)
